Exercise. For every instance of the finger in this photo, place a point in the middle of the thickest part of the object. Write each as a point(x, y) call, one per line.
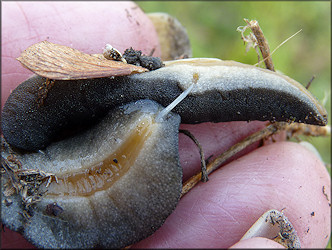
point(217, 214)
point(256, 243)
point(86, 26)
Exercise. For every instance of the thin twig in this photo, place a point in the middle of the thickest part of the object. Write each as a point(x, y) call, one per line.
point(262, 43)
point(309, 83)
point(204, 176)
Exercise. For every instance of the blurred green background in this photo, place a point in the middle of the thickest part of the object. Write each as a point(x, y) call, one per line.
point(211, 27)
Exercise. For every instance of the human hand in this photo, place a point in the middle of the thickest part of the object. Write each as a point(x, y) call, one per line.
point(213, 214)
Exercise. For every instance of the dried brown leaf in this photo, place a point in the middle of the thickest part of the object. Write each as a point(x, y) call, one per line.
point(60, 62)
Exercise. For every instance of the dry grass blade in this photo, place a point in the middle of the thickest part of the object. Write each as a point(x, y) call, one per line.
point(60, 62)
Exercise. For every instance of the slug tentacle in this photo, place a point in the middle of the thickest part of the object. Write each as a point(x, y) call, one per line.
point(173, 104)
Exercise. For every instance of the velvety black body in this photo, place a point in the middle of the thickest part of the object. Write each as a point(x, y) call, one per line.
point(28, 125)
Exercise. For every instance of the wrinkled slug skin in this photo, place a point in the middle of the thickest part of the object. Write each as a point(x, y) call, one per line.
point(224, 91)
point(128, 210)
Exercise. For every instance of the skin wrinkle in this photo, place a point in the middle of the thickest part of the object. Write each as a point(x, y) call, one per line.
point(6, 57)
point(257, 180)
point(60, 14)
point(271, 177)
point(30, 27)
point(259, 198)
point(164, 237)
point(25, 18)
point(33, 38)
point(208, 233)
point(14, 74)
point(211, 203)
point(244, 185)
point(194, 205)
point(227, 213)
point(223, 198)
point(193, 217)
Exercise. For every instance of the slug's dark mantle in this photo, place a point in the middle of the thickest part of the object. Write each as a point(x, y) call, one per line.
point(223, 91)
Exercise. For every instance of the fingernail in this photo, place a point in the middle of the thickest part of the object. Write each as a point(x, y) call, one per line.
point(276, 226)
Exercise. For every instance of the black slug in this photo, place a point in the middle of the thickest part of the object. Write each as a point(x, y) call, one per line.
point(223, 91)
point(117, 182)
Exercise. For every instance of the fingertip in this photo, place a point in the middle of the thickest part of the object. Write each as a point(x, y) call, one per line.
point(257, 242)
